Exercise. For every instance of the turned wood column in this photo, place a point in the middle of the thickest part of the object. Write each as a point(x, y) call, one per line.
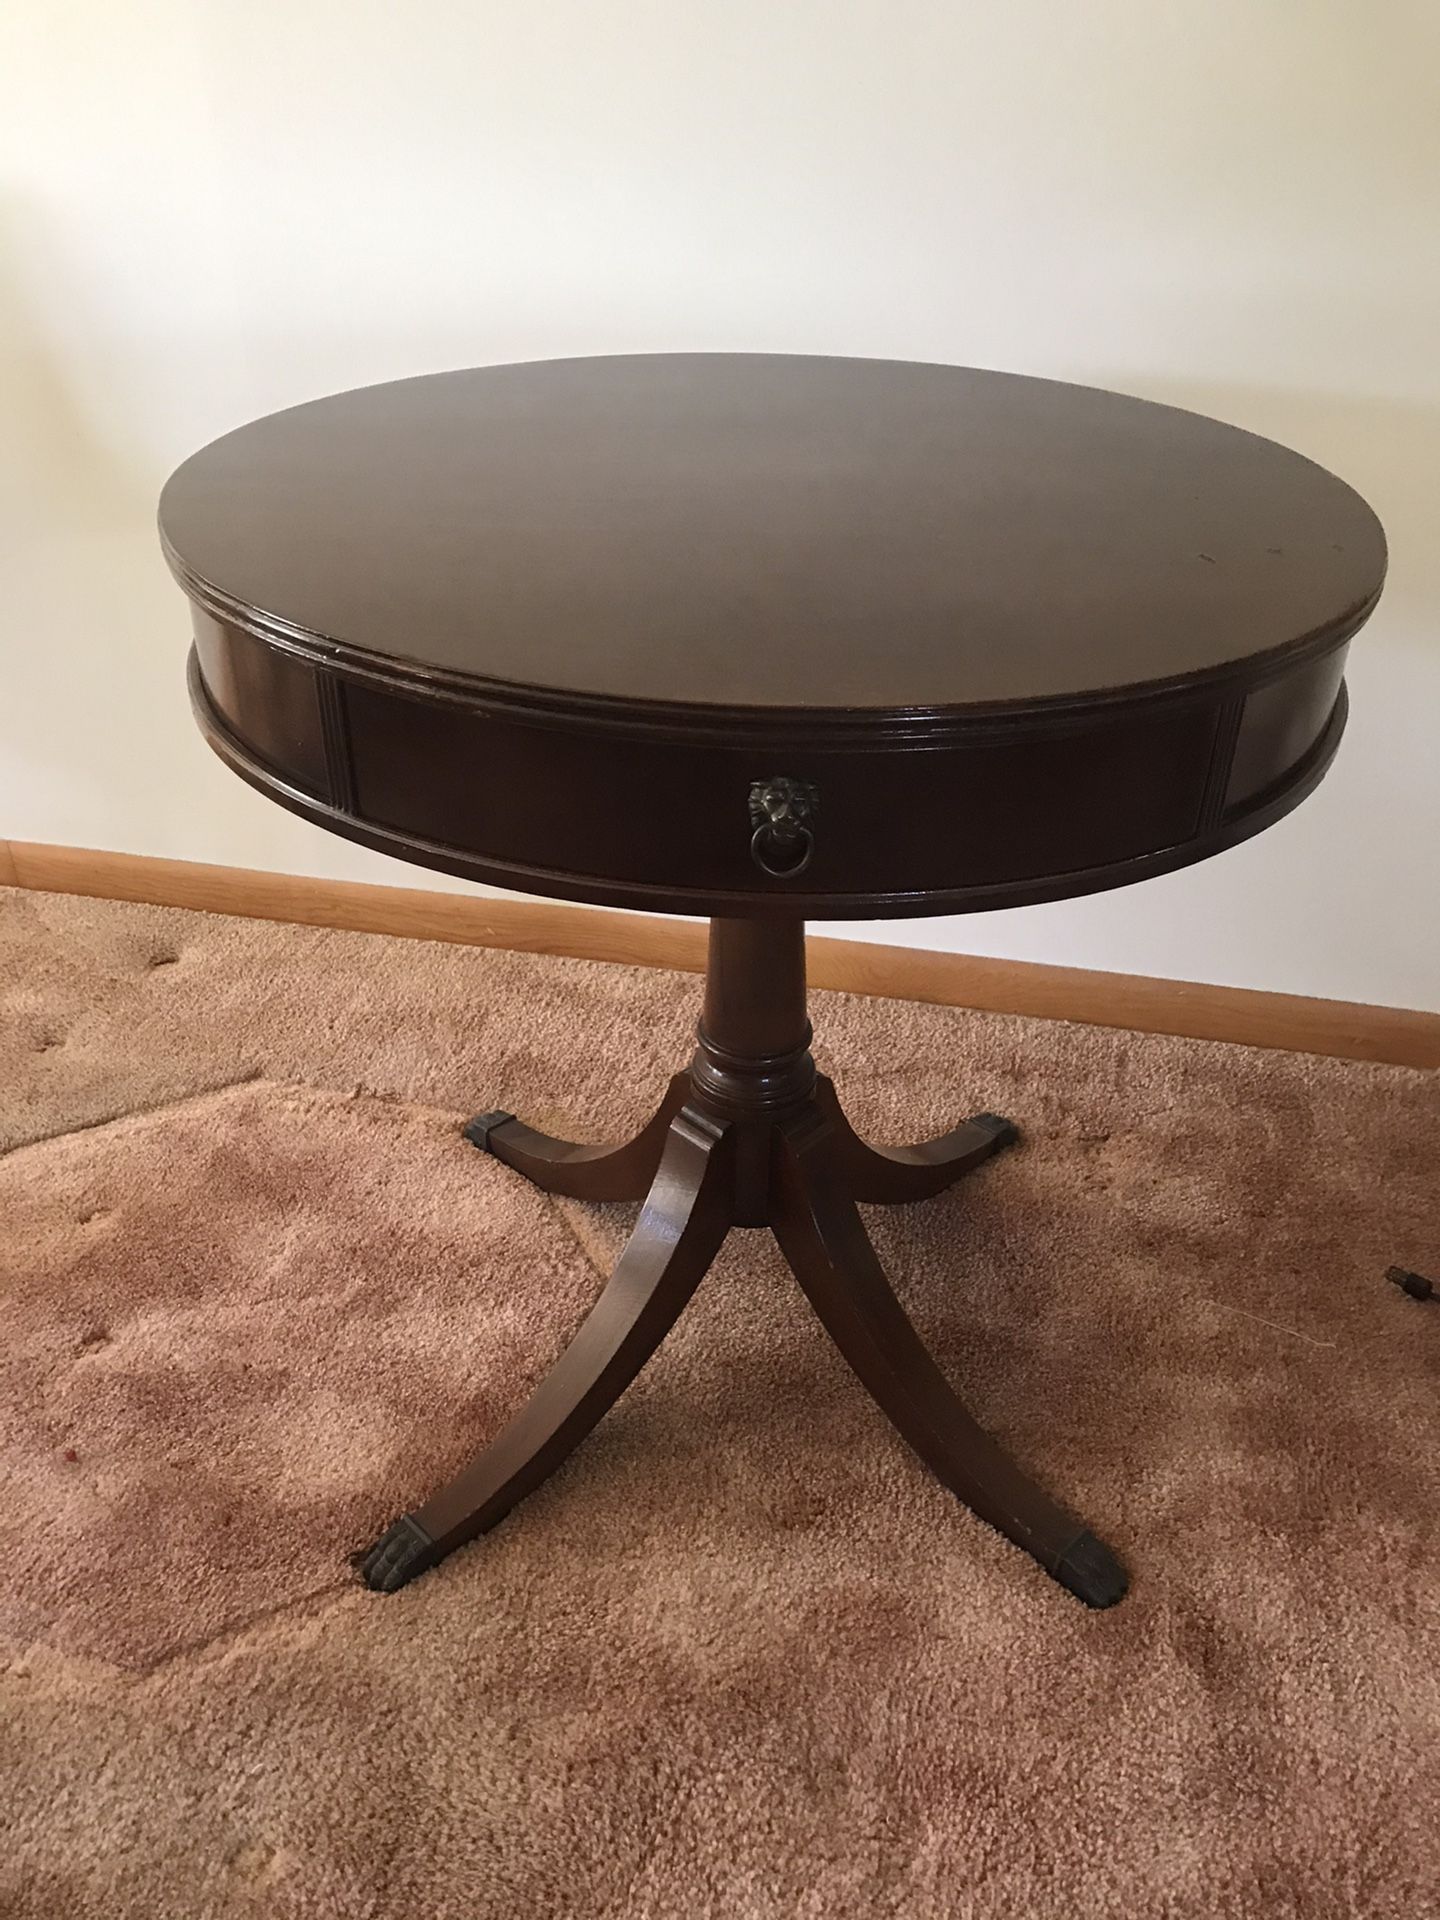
point(752, 1061)
point(755, 988)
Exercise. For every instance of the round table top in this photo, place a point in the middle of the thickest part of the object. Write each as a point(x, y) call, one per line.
point(756, 531)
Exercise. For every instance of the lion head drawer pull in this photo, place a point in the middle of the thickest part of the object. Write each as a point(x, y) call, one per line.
point(781, 840)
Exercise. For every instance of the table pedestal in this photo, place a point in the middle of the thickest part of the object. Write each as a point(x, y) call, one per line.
point(749, 1136)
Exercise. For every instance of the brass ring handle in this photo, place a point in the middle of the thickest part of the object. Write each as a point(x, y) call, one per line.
point(779, 854)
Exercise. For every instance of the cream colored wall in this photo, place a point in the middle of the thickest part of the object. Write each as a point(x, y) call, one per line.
point(212, 210)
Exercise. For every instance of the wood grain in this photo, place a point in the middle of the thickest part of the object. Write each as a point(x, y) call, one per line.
point(1023, 640)
point(772, 533)
point(1345, 1030)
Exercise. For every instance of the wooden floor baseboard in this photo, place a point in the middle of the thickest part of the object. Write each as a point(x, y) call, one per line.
point(1342, 1029)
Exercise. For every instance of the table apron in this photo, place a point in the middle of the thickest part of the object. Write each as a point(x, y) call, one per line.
point(665, 822)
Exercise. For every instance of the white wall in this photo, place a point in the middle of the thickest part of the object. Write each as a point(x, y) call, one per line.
point(211, 209)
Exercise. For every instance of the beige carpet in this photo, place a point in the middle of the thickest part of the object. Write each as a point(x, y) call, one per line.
point(742, 1657)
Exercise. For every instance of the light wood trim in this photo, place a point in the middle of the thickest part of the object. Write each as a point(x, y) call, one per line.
point(1245, 1016)
point(1343, 1029)
point(413, 913)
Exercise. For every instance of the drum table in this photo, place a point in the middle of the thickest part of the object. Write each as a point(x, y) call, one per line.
point(760, 638)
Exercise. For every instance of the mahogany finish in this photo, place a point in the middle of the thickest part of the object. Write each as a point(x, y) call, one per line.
point(751, 1137)
point(1025, 640)
point(762, 637)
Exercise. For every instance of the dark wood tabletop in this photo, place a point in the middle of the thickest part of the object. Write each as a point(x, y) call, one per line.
point(549, 624)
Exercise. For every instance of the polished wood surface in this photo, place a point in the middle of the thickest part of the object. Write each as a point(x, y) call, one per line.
point(1195, 1010)
point(681, 1226)
point(751, 1137)
point(758, 531)
point(760, 637)
point(552, 627)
